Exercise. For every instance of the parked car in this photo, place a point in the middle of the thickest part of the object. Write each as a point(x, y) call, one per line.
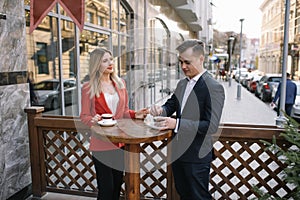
point(244, 72)
point(266, 85)
point(296, 107)
point(248, 78)
point(251, 84)
point(245, 79)
point(48, 93)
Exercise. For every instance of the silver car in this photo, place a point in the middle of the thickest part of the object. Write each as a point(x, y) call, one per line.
point(296, 108)
point(48, 93)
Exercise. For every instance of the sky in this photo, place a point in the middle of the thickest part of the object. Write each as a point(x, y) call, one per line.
point(227, 15)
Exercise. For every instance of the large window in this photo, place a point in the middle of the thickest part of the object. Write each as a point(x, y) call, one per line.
point(144, 57)
point(56, 51)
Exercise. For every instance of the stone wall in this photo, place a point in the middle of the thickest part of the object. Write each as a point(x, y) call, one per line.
point(14, 97)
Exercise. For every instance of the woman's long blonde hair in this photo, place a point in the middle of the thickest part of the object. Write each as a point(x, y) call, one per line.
point(95, 73)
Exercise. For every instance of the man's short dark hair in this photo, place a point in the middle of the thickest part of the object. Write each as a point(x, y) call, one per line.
point(288, 75)
point(197, 45)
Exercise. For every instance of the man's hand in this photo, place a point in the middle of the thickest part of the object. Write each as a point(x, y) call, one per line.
point(156, 110)
point(273, 105)
point(165, 122)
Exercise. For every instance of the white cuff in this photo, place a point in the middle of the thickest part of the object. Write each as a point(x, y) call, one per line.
point(177, 124)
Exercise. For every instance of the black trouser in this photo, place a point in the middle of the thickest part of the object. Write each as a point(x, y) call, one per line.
point(288, 109)
point(109, 167)
point(192, 180)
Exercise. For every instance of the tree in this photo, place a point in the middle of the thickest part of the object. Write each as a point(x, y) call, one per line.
point(289, 156)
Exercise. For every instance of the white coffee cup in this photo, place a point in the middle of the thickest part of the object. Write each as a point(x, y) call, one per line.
point(107, 117)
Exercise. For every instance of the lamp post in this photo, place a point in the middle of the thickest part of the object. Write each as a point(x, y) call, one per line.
point(240, 63)
point(230, 39)
point(280, 120)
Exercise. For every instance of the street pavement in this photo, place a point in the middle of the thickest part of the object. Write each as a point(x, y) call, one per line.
point(248, 110)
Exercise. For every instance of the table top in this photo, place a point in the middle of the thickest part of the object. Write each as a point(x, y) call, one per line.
point(130, 131)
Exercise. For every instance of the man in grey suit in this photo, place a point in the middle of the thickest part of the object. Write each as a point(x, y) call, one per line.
point(198, 103)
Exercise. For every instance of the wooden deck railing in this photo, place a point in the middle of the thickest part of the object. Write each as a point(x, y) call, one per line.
point(61, 161)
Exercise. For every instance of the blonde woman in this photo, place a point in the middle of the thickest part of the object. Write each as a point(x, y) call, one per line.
point(105, 92)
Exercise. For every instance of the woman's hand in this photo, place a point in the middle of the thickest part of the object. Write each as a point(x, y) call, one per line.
point(141, 114)
point(96, 118)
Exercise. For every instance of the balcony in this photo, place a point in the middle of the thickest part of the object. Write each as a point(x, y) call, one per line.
point(186, 10)
point(176, 3)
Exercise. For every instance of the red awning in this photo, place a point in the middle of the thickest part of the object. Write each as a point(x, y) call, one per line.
point(40, 8)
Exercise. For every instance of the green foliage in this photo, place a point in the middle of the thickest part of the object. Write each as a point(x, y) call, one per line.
point(289, 156)
point(262, 195)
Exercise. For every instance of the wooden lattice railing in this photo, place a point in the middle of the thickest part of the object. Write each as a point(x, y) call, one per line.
point(61, 162)
point(243, 163)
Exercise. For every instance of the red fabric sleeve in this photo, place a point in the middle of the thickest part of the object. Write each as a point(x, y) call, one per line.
point(87, 103)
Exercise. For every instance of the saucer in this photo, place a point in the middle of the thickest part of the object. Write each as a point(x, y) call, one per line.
point(107, 123)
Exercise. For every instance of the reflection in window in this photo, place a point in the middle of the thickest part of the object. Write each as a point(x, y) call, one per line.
point(89, 17)
point(46, 85)
point(42, 61)
point(100, 21)
point(72, 72)
point(27, 17)
point(108, 23)
point(26, 2)
point(90, 39)
point(98, 13)
point(119, 16)
point(68, 25)
point(123, 18)
point(44, 45)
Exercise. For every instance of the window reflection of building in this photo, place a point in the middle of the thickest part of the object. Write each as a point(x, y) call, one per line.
point(148, 70)
point(42, 58)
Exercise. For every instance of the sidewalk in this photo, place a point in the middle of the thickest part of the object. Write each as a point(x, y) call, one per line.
point(248, 110)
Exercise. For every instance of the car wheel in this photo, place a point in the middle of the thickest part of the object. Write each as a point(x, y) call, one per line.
point(256, 93)
point(54, 104)
point(264, 97)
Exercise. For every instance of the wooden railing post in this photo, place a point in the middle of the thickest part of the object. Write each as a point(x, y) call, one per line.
point(36, 171)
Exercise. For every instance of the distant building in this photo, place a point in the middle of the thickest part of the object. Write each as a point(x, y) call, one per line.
point(272, 35)
point(251, 53)
point(250, 49)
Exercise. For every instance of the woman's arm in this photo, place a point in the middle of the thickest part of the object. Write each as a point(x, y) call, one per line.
point(86, 114)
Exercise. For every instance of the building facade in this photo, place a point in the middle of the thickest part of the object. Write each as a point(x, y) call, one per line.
point(272, 37)
point(251, 52)
point(142, 35)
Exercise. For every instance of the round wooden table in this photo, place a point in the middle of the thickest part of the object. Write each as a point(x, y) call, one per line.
point(131, 132)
